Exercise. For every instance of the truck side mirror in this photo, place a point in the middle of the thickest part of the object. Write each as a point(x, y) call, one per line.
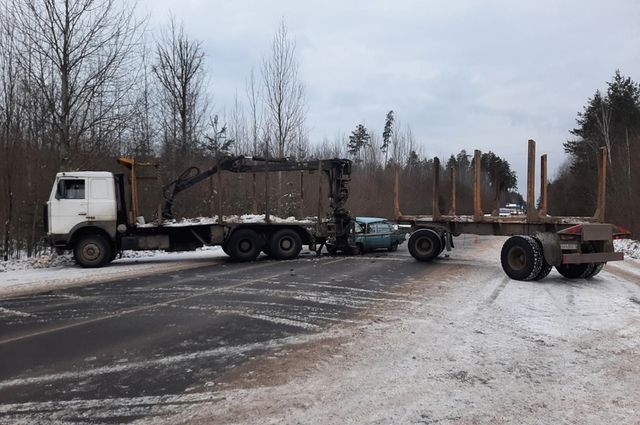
point(60, 190)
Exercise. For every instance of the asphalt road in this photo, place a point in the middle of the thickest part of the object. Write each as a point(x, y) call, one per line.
point(120, 351)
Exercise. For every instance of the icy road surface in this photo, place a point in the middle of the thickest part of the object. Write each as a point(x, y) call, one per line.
point(376, 339)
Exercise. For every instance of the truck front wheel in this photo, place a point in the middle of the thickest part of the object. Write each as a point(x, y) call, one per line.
point(92, 251)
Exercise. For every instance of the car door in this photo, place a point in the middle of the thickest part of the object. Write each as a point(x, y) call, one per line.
point(377, 235)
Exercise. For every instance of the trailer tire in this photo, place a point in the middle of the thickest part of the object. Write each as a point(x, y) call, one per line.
point(546, 267)
point(244, 245)
point(285, 244)
point(521, 258)
point(596, 269)
point(576, 271)
point(92, 251)
point(425, 245)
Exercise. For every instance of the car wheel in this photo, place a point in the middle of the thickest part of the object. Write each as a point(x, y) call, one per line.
point(393, 247)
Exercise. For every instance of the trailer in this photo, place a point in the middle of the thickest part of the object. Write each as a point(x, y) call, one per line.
point(90, 213)
point(578, 247)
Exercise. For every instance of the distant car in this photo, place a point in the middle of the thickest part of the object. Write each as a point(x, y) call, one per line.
point(504, 212)
point(377, 233)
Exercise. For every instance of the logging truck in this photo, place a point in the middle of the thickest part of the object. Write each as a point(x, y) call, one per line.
point(90, 213)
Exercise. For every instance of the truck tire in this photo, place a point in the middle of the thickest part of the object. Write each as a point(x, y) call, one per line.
point(425, 245)
point(576, 271)
point(596, 269)
point(521, 258)
point(546, 267)
point(244, 245)
point(92, 251)
point(285, 244)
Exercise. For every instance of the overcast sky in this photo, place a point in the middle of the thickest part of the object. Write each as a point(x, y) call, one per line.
point(466, 74)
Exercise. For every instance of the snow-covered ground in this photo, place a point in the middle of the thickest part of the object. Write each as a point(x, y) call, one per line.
point(50, 272)
point(630, 247)
point(472, 347)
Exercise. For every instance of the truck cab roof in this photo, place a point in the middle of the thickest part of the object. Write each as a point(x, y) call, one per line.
point(85, 174)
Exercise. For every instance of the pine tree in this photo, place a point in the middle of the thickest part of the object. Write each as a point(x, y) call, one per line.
point(359, 138)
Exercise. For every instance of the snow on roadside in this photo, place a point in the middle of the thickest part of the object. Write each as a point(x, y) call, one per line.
point(630, 247)
point(50, 272)
point(245, 218)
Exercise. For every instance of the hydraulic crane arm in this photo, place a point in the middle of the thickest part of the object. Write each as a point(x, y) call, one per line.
point(338, 172)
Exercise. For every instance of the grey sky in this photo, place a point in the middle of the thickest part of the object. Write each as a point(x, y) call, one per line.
point(464, 74)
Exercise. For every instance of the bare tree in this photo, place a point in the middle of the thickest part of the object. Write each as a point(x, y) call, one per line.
point(284, 94)
point(253, 95)
point(79, 55)
point(179, 69)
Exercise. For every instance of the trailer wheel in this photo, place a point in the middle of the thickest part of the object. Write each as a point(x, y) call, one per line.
point(576, 271)
point(546, 267)
point(424, 245)
point(92, 251)
point(285, 244)
point(244, 245)
point(596, 269)
point(521, 258)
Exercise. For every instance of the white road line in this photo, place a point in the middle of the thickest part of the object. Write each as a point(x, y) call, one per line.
point(8, 312)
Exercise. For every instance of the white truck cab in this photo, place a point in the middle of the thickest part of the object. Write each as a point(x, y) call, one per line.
point(83, 205)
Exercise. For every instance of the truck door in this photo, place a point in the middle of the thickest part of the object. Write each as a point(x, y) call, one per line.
point(102, 205)
point(67, 205)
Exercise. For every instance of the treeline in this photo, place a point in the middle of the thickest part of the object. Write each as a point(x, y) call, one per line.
point(84, 82)
point(609, 119)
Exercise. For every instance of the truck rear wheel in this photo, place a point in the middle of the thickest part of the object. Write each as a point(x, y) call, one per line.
point(425, 245)
point(285, 244)
point(521, 258)
point(92, 251)
point(244, 245)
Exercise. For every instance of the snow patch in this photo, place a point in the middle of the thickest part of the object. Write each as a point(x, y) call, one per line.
point(630, 247)
point(232, 219)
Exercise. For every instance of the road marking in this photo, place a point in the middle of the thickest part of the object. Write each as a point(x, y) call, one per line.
point(14, 312)
point(149, 307)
